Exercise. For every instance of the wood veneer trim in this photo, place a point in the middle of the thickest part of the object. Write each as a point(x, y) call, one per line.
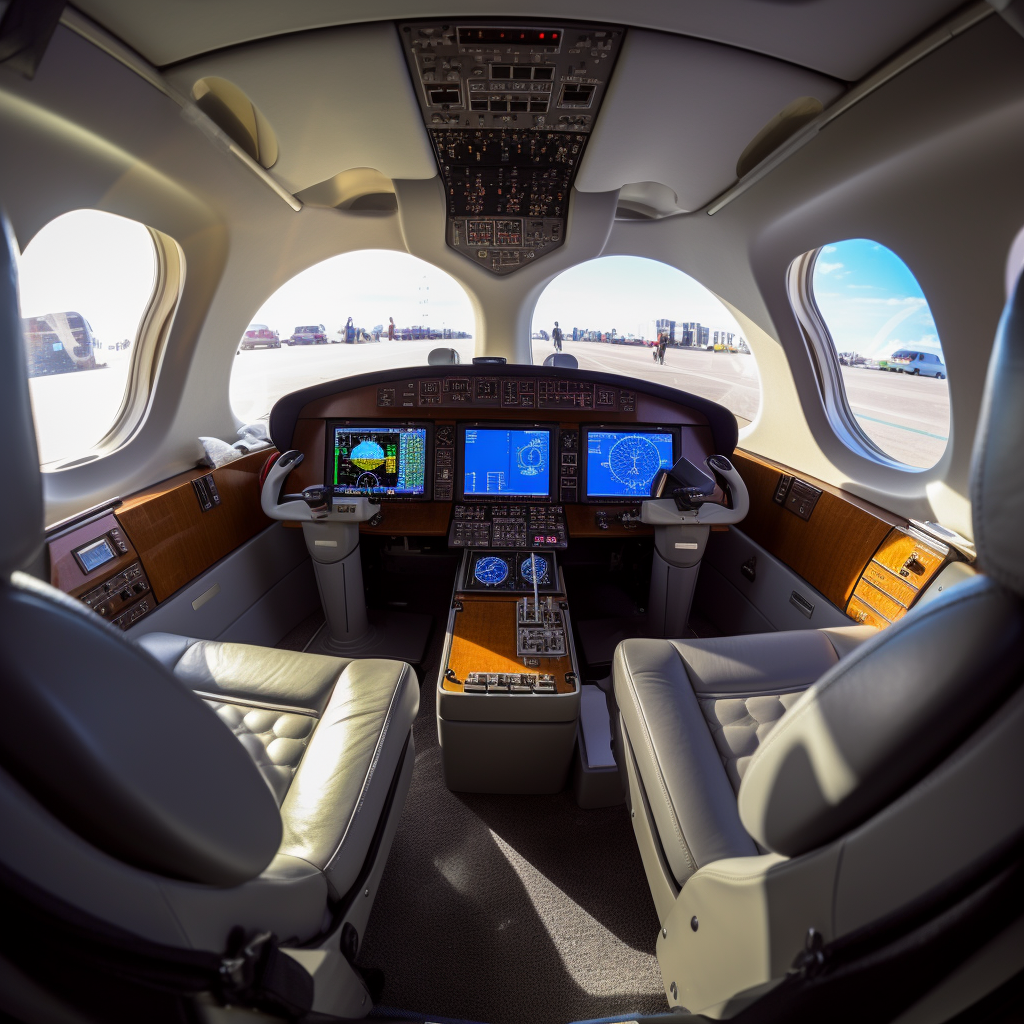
point(832, 548)
point(176, 540)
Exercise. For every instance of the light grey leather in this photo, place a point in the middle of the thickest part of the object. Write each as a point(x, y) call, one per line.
point(884, 716)
point(693, 804)
point(244, 670)
point(338, 794)
point(275, 739)
point(695, 713)
point(757, 662)
point(21, 512)
point(103, 736)
point(846, 639)
point(740, 724)
point(997, 471)
point(326, 733)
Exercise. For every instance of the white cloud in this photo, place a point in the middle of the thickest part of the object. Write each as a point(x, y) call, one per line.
point(827, 268)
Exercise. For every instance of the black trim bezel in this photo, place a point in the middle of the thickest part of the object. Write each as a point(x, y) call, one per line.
point(519, 499)
point(583, 462)
point(362, 423)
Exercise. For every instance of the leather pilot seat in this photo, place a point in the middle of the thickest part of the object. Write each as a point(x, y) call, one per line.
point(179, 789)
point(821, 779)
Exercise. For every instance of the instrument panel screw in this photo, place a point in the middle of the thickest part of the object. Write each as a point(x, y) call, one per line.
point(675, 991)
point(694, 922)
point(664, 933)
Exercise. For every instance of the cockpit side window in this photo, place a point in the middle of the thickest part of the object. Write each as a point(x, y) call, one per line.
point(881, 368)
point(642, 318)
point(90, 287)
point(356, 313)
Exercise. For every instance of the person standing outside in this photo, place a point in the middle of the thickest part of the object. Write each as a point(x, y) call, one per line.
point(662, 345)
point(556, 337)
point(391, 328)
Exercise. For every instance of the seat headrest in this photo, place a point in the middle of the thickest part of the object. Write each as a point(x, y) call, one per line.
point(21, 513)
point(997, 471)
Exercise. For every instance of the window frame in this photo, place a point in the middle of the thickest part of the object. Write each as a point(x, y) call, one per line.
point(148, 347)
point(824, 359)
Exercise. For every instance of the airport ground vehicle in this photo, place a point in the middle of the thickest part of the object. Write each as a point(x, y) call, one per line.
point(432, 709)
point(59, 343)
point(920, 364)
point(259, 336)
point(313, 335)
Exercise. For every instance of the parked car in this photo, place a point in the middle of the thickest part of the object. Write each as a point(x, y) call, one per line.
point(314, 335)
point(260, 334)
point(920, 364)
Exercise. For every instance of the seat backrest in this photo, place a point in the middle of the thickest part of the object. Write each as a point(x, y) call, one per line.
point(93, 728)
point(883, 717)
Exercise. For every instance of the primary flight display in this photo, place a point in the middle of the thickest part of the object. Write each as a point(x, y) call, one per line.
point(388, 461)
point(506, 462)
point(622, 464)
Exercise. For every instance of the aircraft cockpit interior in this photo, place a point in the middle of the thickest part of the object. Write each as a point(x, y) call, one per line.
point(513, 512)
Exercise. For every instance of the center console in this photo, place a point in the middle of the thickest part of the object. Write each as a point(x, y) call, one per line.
point(508, 693)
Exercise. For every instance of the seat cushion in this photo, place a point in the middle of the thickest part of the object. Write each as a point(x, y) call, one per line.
point(695, 712)
point(327, 734)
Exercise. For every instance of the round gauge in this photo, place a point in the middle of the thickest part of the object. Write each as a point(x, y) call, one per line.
point(367, 482)
point(531, 458)
point(633, 461)
point(445, 436)
point(527, 568)
point(490, 570)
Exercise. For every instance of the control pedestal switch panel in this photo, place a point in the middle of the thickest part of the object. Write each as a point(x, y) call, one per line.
point(535, 527)
point(509, 109)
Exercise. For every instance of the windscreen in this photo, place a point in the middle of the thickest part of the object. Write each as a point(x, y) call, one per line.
point(622, 464)
point(389, 461)
point(507, 462)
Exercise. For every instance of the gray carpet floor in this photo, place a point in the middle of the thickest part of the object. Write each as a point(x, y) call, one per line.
point(508, 909)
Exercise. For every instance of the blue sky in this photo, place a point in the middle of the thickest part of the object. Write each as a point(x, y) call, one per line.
point(628, 293)
point(871, 301)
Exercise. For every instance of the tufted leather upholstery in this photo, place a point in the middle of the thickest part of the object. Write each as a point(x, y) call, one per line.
point(665, 690)
point(326, 734)
point(739, 725)
point(273, 738)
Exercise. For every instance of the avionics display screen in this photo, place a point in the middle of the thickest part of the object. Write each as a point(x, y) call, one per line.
point(390, 461)
point(623, 463)
point(506, 462)
point(92, 556)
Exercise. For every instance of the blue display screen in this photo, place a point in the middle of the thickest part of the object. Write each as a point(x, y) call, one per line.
point(622, 464)
point(506, 462)
point(96, 554)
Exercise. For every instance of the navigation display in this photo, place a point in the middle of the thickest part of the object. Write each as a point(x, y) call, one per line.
point(505, 462)
point(380, 460)
point(623, 463)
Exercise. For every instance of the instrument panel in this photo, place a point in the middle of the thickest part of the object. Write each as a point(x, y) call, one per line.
point(580, 444)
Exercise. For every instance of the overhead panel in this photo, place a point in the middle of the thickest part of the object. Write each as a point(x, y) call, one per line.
point(509, 107)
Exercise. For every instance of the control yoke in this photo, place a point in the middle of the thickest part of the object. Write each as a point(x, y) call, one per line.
point(314, 503)
point(683, 494)
point(686, 483)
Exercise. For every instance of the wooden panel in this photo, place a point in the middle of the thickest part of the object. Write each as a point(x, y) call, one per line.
point(901, 568)
point(582, 522)
point(424, 518)
point(865, 614)
point(484, 640)
point(67, 575)
point(829, 550)
point(902, 548)
point(176, 540)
